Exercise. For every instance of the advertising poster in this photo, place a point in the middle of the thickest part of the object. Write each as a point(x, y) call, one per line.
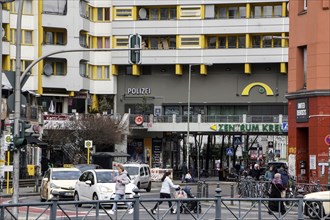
point(156, 152)
point(136, 150)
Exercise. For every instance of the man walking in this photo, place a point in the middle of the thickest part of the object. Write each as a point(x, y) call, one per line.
point(121, 181)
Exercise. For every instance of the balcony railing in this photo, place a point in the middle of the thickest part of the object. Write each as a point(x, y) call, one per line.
point(211, 119)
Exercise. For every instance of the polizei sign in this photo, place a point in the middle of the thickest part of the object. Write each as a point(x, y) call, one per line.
point(250, 127)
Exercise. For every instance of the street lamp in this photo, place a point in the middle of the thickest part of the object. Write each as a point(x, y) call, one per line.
point(188, 114)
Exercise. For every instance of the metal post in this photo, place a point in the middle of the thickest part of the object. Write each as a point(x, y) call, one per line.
point(188, 122)
point(218, 204)
point(2, 154)
point(136, 214)
point(16, 155)
point(232, 193)
point(53, 207)
point(300, 204)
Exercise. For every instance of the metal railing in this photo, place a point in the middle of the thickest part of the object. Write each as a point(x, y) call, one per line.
point(211, 208)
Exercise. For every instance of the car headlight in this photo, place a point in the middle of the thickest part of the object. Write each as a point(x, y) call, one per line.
point(52, 185)
point(104, 189)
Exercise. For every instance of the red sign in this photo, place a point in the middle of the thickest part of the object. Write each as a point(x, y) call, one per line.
point(139, 120)
point(327, 139)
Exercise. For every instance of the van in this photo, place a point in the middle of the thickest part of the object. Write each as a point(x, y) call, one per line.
point(140, 174)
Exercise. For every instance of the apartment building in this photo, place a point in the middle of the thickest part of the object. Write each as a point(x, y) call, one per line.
point(226, 60)
point(309, 89)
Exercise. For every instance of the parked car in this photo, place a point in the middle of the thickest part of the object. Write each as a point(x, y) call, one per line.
point(99, 184)
point(84, 167)
point(313, 209)
point(140, 175)
point(62, 180)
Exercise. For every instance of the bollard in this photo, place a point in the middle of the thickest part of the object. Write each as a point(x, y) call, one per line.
point(300, 196)
point(136, 196)
point(203, 190)
point(53, 207)
point(199, 189)
point(218, 204)
point(318, 186)
point(206, 190)
point(232, 193)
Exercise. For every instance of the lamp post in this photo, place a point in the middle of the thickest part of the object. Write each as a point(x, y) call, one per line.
point(2, 34)
point(188, 114)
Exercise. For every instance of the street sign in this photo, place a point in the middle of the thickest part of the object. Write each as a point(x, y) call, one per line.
point(230, 151)
point(285, 126)
point(327, 139)
point(88, 144)
point(237, 140)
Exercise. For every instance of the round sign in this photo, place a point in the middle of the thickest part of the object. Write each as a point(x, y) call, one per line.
point(327, 139)
point(139, 120)
point(8, 138)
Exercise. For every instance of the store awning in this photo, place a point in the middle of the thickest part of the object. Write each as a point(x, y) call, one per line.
point(34, 140)
point(5, 82)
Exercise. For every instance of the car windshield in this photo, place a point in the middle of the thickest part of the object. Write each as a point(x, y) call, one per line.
point(132, 170)
point(65, 175)
point(84, 167)
point(106, 177)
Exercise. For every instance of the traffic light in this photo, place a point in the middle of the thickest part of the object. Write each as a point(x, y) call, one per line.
point(135, 42)
point(20, 140)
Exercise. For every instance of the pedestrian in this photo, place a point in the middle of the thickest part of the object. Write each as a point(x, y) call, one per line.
point(276, 190)
point(165, 192)
point(284, 176)
point(184, 170)
point(255, 172)
point(188, 178)
point(121, 181)
point(269, 175)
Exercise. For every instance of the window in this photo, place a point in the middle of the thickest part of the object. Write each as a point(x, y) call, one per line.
point(123, 13)
point(54, 7)
point(121, 42)
point(231, 12)
point(27, 7)
point(172, 110)
point(27, 37)
point(190, 12)
point(103, 14)
point(54, 36)
point(266, 11)
point(190, 41)
point(83, 9)
point(83, 36)
point(161, 13)
point(59, 66)
point(231, 41)
point(24, 64)
point(83, 68)
point(98, 72)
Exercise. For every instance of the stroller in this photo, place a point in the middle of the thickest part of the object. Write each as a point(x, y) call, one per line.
point(189, 206)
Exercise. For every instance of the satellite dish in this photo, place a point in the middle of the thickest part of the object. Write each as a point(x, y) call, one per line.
point(143, 13)
point(287, 6)
point(48, 69)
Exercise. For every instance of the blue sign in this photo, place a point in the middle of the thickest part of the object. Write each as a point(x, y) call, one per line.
point(237, 140)
point(230, 151)
point(285, 126)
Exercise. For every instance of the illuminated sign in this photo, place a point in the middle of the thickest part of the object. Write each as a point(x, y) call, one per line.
point(249, 127)
point(246, 90)
point(302, 110)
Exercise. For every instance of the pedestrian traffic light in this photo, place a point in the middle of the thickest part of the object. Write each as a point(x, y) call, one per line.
point(135, 42)
point(24, 125)
point(20, 140)
point(11, 147)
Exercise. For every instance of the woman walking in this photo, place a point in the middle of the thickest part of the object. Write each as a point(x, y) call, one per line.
point(276, 189)
point(165, 192)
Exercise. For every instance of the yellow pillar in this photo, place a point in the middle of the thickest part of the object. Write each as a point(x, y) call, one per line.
point(114, 70)
point(247, 41)
point(71, 93)
point(284, 41)
point(178, 69)
point(247, 68)
point(283, 68)
point(136, 70)
point(283, 9)
point(203, 69)
point(95, 102)
point(248, 10)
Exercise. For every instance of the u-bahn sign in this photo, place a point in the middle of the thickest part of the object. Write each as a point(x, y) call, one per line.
point(249, 127)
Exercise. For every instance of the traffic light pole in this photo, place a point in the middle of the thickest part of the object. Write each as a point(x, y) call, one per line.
point(16, 155)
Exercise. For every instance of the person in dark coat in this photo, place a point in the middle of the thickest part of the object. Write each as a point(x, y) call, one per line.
point(276, 189)
point(184, 171)
point(284, 176)
point(255, 172)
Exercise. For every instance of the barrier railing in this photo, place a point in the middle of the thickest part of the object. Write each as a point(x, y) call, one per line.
point(216, 207)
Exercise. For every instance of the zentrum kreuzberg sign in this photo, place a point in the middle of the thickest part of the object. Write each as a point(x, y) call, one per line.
point(249, 127)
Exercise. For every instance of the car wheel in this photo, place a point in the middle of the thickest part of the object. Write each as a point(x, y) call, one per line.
point(95, 197)
point(138, 185)
point(313, 210)
point(76, 198)
point(148, 189)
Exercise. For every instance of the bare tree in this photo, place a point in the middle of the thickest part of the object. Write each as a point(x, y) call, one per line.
point(102, 130)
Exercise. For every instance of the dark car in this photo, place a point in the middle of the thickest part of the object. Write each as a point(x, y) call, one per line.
point(84, 167)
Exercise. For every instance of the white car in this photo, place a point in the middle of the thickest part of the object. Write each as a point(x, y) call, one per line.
point(313, 208)
point(62, 180)
point(99, 184)
point(140, 175)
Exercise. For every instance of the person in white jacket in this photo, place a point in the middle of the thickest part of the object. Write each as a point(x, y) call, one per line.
point(165, 192)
